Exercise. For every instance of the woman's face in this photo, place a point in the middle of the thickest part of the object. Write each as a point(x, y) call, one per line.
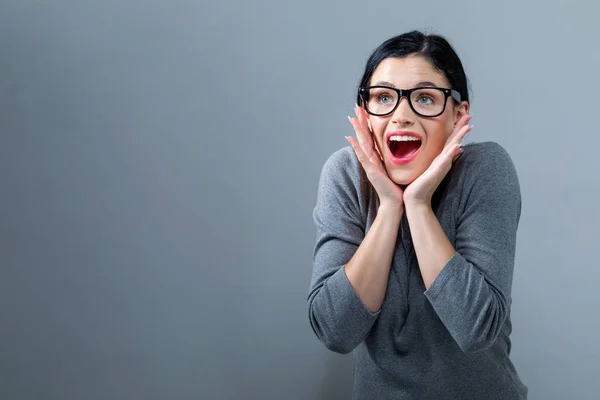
point(404, 157)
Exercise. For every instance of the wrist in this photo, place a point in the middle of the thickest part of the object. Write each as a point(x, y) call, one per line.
point(413, 206)
point(391, 209)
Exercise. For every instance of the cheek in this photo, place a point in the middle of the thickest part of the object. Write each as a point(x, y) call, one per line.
point(437, 135)
point(377, 125)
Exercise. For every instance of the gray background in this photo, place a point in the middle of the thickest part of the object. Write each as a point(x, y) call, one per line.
point(158, 169)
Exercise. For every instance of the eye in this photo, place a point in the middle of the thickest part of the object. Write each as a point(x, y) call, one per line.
point(425, 99)
point(385, 98)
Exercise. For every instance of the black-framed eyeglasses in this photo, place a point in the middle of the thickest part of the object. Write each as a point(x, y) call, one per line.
point(424, 101)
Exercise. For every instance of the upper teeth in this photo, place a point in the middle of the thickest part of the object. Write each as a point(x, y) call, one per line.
point(404, 138)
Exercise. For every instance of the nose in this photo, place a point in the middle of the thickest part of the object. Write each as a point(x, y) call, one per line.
point(403, 115)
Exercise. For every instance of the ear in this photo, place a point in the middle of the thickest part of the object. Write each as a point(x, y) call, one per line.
point(460, 110)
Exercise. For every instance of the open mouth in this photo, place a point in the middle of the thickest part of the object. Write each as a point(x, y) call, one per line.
point(404, 148)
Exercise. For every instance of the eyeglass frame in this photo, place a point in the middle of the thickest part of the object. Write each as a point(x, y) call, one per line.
point(406, 93)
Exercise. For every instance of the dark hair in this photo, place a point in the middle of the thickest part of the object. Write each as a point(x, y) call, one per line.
point(434, 48)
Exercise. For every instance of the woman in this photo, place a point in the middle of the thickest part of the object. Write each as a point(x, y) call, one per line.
point(416, 235)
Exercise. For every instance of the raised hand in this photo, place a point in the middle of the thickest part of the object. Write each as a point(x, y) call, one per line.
point(421, 189)
point(370, 158)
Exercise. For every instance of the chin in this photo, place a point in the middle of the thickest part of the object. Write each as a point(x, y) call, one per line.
point(403, 178)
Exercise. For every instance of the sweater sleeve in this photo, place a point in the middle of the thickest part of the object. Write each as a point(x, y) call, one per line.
point(336, 313)
point(472, 293)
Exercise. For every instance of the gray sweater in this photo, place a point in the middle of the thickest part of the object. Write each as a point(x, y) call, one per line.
point(452, 340)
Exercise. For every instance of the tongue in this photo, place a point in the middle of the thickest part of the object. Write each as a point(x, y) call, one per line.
point(404, 149)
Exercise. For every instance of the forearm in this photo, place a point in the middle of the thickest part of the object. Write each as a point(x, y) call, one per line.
point(471, 308)
point(469, 280)
point(369, 268)
point(432, 247)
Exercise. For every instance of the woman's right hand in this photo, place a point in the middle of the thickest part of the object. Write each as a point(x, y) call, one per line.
point(369, 156)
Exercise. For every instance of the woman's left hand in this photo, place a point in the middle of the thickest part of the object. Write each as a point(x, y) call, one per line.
point(421, 190)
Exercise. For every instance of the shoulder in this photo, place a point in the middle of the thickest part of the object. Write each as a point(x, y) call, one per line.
point(487, 161)
point(341, 161)
point(486, 171)
point(342, 168)
point(487, 154)
point(343, 181)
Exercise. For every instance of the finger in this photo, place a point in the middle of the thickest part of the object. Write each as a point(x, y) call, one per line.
point(365, 142)
point(378, 151)
point(362, 112)
point(442, 164)
point(368, 140)
point(458, 136)
point(463, 120)
point(459, 126)
point(466, 134)
point(357, 130)
point(361, 135)
point(362, 158)
point(457, 153)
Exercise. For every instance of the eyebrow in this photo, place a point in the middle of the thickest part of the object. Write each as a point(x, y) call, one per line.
point(420, 84)
point(384, 83)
